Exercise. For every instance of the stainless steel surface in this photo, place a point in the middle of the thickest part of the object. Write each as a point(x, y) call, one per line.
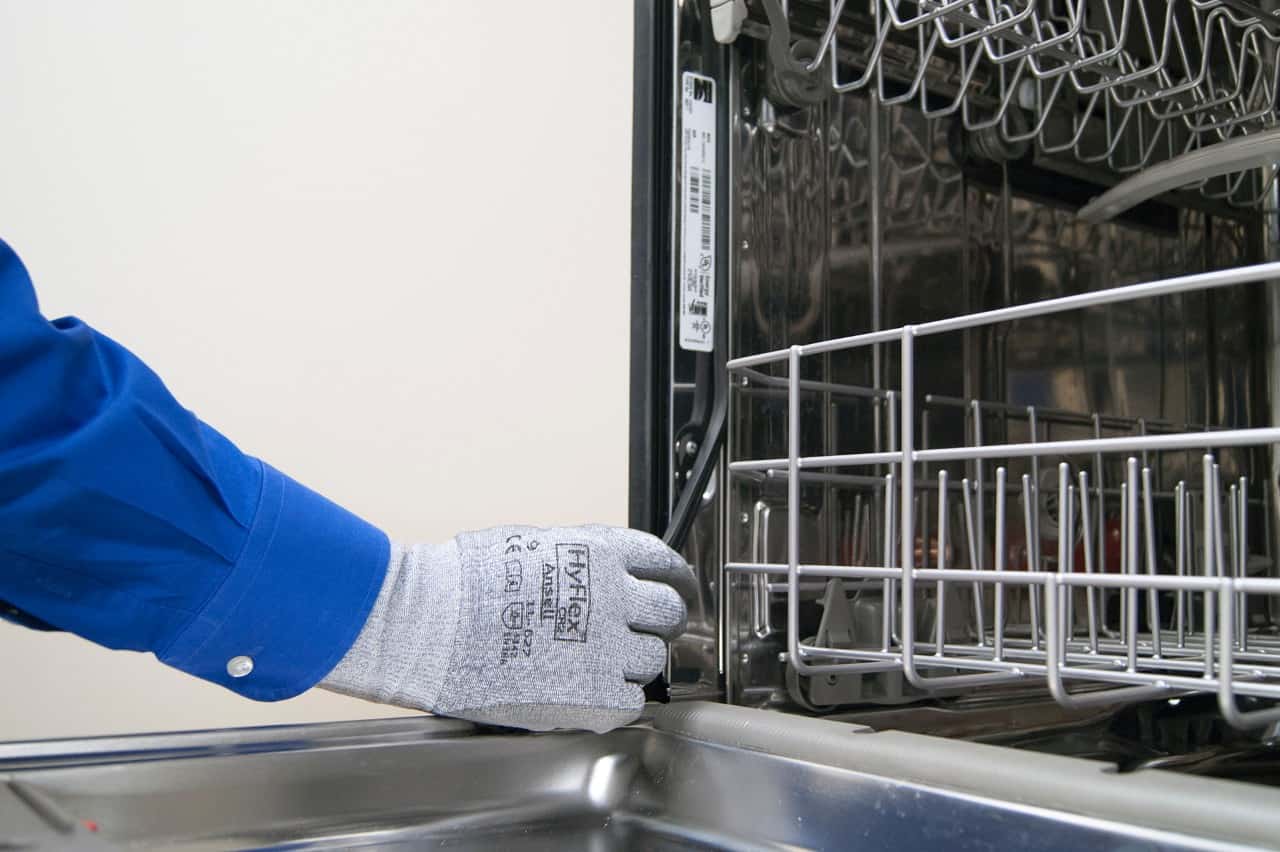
point(993, 471)
point(702, 777)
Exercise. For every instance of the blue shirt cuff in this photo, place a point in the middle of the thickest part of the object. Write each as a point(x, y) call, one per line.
point(299, 595)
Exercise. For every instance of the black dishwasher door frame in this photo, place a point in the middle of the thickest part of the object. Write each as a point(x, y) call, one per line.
point(678, 398)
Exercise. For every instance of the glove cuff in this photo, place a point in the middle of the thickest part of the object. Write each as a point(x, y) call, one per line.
point(402, 654)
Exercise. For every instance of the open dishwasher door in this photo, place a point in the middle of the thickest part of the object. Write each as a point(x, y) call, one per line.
point(697, 776)
point(995, 287)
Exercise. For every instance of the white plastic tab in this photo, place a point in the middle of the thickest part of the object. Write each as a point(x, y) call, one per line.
point(726, 19)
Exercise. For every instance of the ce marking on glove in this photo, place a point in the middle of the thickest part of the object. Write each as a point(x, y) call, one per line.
point(516, 544)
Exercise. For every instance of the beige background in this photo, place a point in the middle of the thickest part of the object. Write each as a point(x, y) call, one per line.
point(382, 245)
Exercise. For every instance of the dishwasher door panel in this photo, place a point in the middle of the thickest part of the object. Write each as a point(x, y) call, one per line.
point(701, 776)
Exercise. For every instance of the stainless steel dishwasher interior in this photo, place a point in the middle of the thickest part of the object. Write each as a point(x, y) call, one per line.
point(1000, 463)
point(700, 776)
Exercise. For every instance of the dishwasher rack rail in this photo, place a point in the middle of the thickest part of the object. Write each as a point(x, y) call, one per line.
point(1183, 573)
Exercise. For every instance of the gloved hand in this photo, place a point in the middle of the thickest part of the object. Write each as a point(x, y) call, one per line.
point(521, 626)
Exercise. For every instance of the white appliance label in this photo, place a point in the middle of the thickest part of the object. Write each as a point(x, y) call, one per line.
point(698, 244)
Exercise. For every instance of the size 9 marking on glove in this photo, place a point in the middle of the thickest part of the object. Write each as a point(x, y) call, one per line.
point(573, 592)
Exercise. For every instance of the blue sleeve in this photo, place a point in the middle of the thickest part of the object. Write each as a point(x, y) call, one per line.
point(127, 520)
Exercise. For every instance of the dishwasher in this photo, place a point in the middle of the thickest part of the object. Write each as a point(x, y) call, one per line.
point(955, 373)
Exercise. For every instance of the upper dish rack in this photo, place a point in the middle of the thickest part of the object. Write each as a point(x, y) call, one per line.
point(1120, 84)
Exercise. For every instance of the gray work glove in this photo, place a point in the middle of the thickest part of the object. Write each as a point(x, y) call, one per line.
point(521, 626)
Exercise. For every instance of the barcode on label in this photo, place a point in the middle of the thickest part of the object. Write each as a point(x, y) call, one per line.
point(699, 308)
point(695, 194)
point(706, 208)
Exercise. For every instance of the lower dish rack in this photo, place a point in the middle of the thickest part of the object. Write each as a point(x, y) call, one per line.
point(1107, 558)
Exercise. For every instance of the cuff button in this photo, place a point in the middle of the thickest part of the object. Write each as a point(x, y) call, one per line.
point(239, 666)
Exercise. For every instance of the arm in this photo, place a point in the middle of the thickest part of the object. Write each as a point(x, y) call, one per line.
point(127, 520)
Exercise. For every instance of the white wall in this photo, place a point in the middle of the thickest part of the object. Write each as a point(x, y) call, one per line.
point(383, 246)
